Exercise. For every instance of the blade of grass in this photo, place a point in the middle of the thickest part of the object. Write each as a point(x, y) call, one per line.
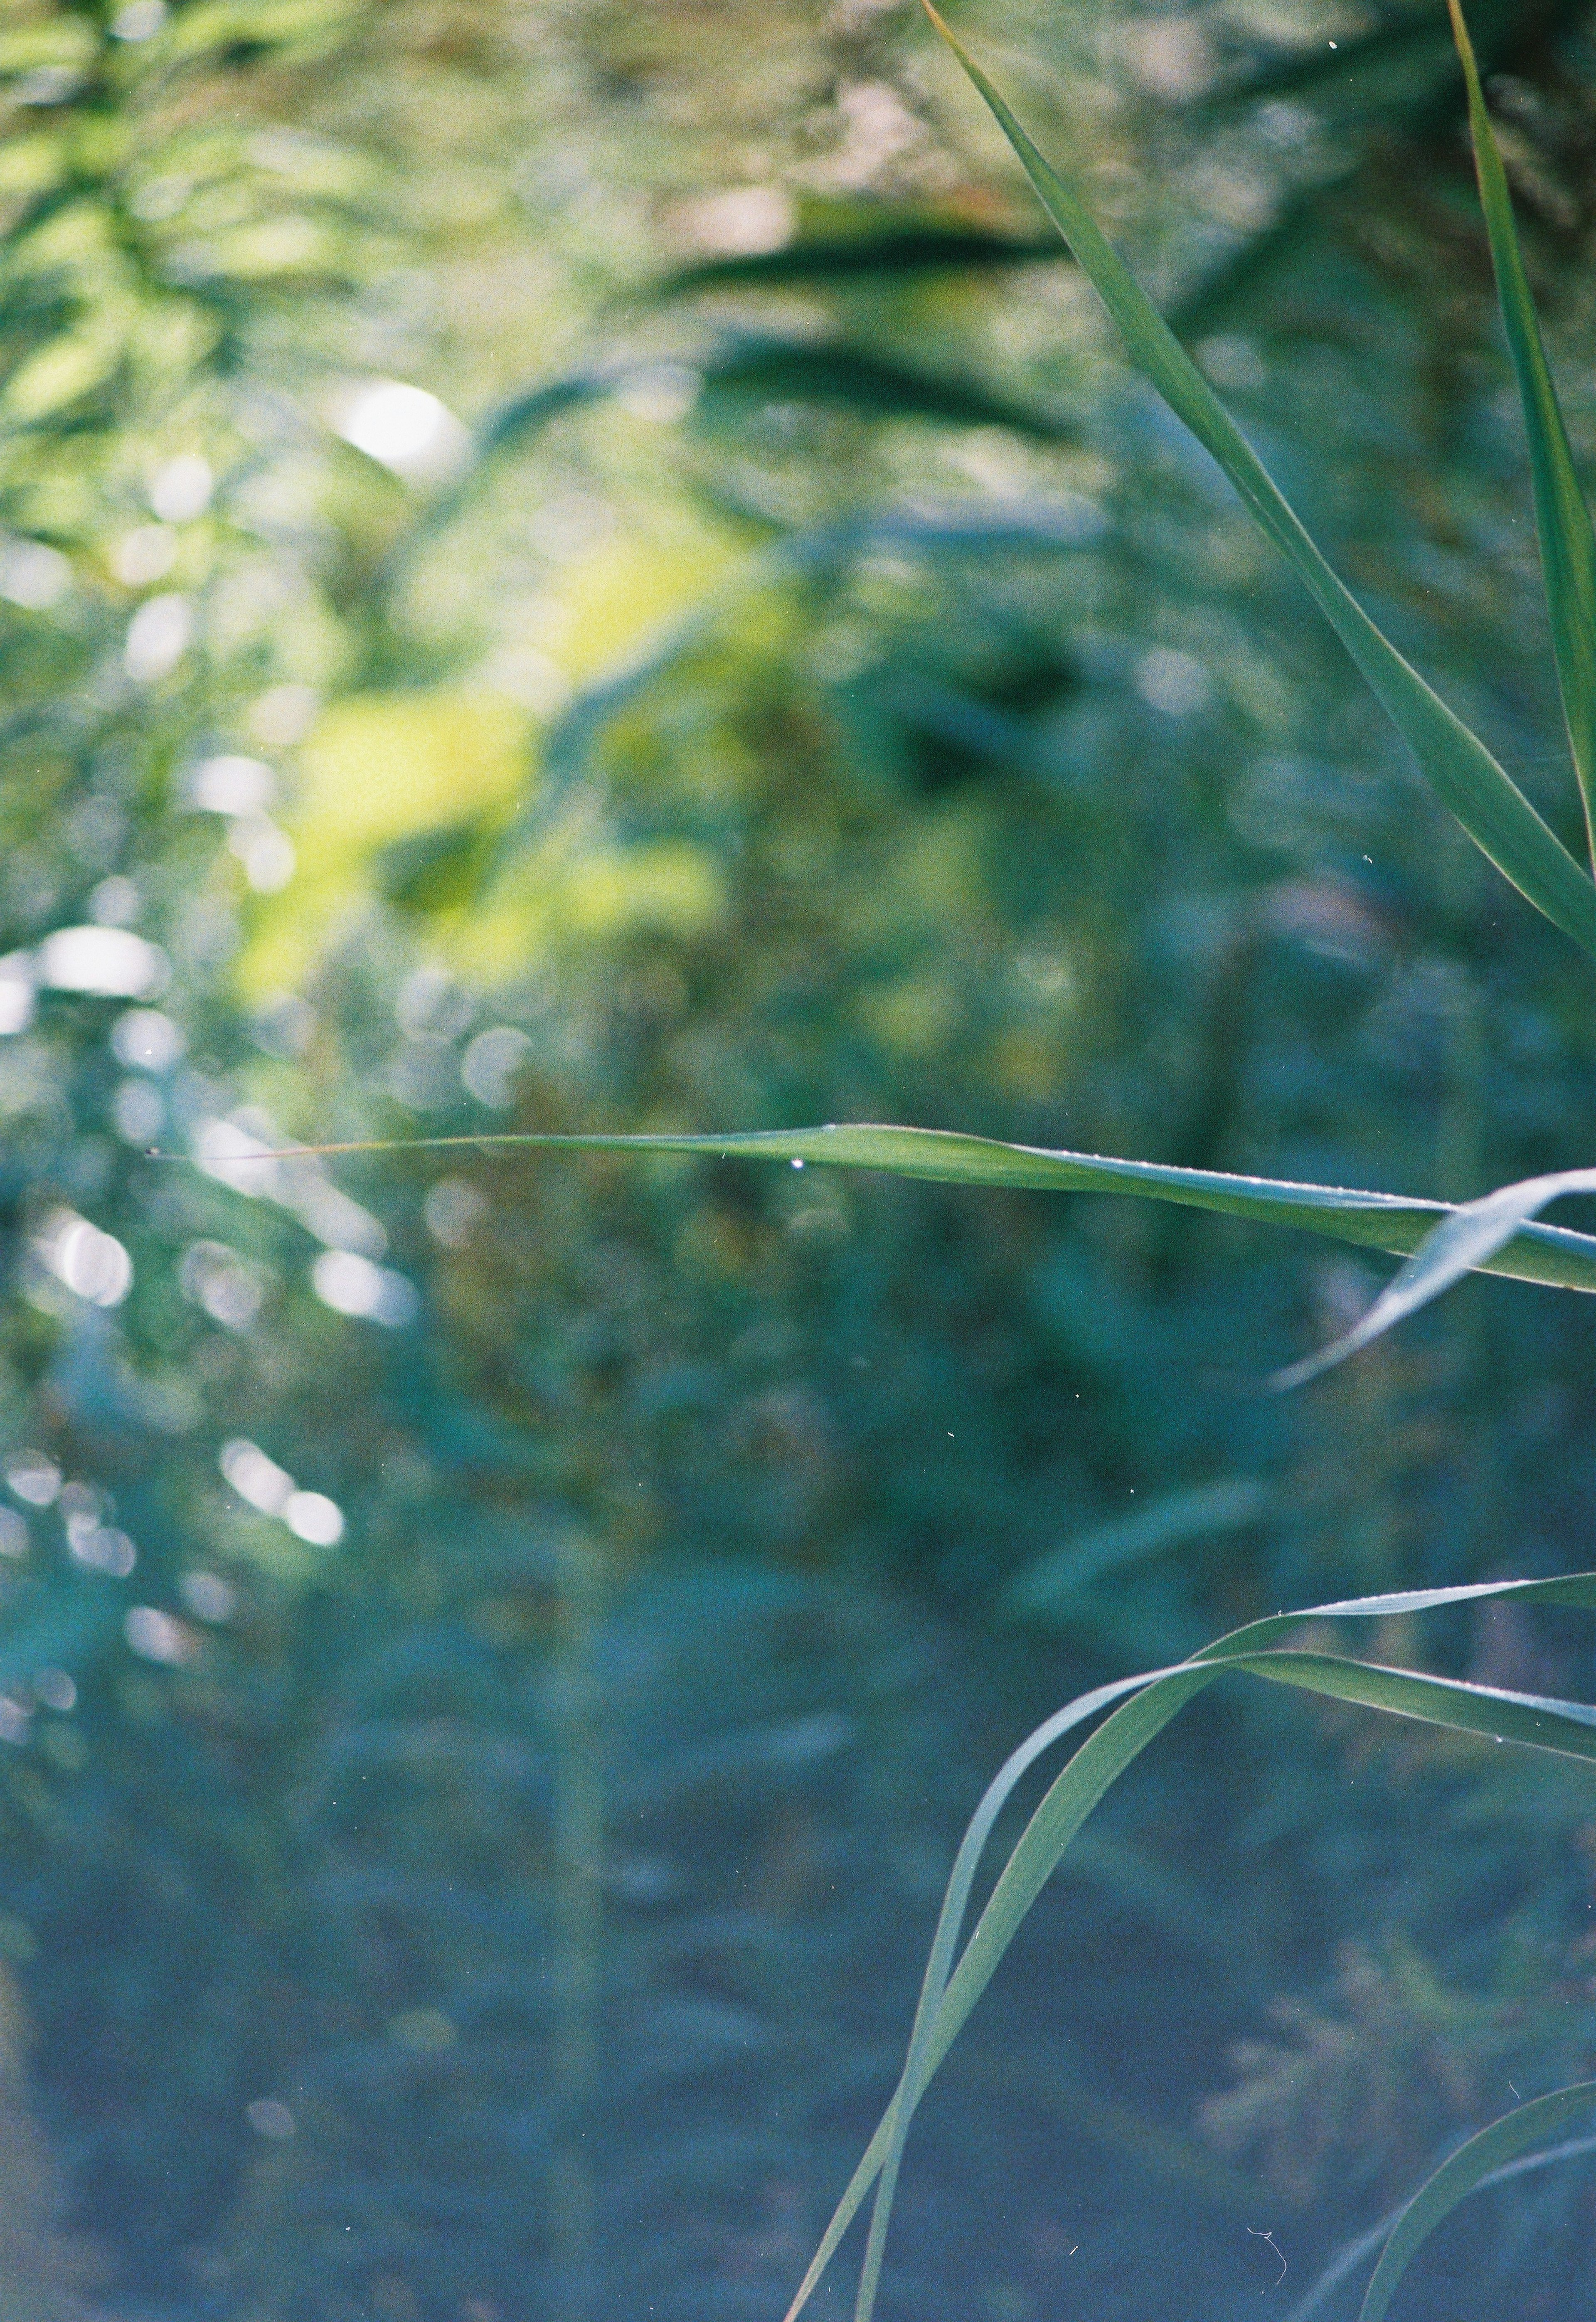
point(1562, 518)
point(1159, 1694)
point(1561, 1726)
point(1350, 2255)
point(1491, 808)
point(1394, 1222)
point(944, 1943)
point(1468, 1239)
point(879, 257)
point(1528, 2125)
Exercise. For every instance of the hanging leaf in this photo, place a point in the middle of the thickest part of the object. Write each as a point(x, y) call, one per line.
point(1145, 1705)
point(875, 258)
point(1468, 1240)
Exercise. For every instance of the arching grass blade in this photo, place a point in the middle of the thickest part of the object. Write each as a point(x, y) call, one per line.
point(1516, 2132)
point(939, 1963)
point(879, 257)
point(1468, 780)
point(1352, 2255)
point(1154, 1698)
point(1562, 517)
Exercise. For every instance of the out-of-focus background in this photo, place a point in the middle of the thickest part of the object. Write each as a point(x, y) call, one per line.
point(576, 565)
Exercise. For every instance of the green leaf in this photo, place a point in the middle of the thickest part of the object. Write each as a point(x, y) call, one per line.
point(1467, 1241)
point(1562, 518)
point(1468, 780)
point(947, 1999)
point(1352, 2255)
point(791, 368)
point(784, 365)
point(1526, 2126)
point(939, 1963)
point(1389, 1221)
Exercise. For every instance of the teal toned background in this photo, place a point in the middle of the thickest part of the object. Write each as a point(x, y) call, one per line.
point(565, 565)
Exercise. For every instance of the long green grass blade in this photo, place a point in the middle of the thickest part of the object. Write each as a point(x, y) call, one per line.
point(1562, 517)
point(1468, 780)
point(945, 2001)
point(1526, 2126)
point(1352, 2255)
point(950, 1924)
point(1394, 1222)
point(1099, 1762)
point(1466, 1241)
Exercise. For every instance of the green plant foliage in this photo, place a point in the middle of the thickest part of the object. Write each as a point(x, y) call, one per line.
point(1475, 1236)
point(1529, 2124)
point(951, 1990)
point(1491, 809)
point(1568, 545)
point(609, 581)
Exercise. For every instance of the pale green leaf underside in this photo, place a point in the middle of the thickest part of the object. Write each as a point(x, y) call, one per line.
point(1461, 1244)
point(1394, 1222)
point(1467, 779)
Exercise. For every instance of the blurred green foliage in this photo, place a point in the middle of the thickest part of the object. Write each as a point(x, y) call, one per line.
point(497, 1652)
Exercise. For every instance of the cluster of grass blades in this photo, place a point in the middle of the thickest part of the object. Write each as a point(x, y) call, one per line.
point(1500, 1233)
point(1138, 1708)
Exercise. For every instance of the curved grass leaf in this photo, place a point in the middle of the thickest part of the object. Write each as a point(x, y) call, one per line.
point(1528, 2125)
point(1394, 1222)
point(1350, 2255)
point(1563, 520)
point(946, 2000)
point(883, 2154)
point(768, 366)
point(1466, 1241)
point(1491, 808)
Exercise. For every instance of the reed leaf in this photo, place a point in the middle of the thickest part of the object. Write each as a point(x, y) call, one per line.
point(1396, 1222)
point(1352, 2255)
point(879, 256)
point(1562, 518)
point(1468, 1239)
point(1516, 2132)
point(1461, 771)
point(1145, 1705)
